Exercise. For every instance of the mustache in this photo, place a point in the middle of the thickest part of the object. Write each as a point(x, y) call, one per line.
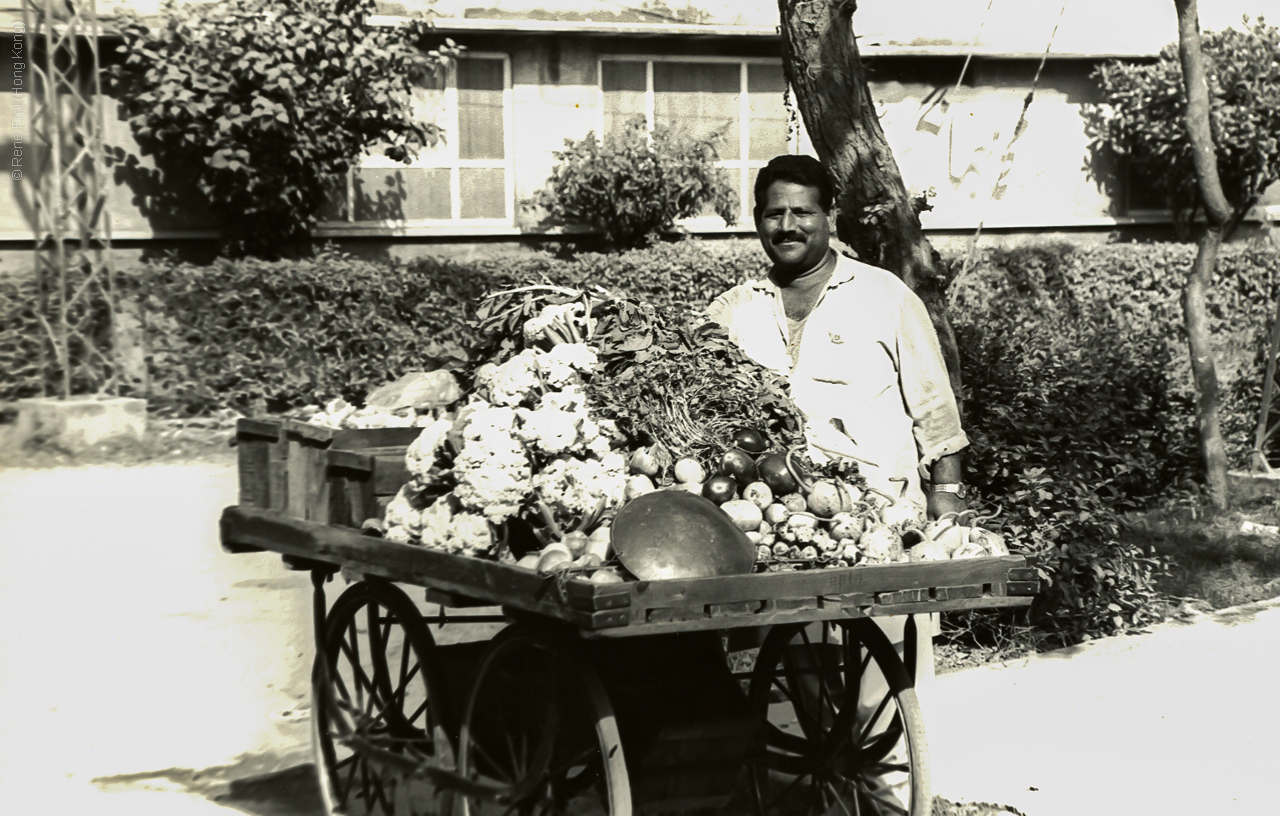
point(787, 236)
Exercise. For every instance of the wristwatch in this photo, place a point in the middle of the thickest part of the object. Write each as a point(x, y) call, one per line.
point(961, 490)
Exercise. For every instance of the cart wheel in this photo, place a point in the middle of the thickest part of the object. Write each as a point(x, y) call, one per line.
point(822, 754)
point(538, 733)
point(370, 714)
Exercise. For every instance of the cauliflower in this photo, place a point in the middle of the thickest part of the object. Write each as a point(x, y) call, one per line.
point(516, 380)
point(606, 433)
point(484, 422)
point(468, 534)
point(398, 535)
point(446, 527)
point(574, 487)
point(564, 364)
point(494, 476)
point(435, 523)
point(560, 424)
point(405, 510)
point(420, 457)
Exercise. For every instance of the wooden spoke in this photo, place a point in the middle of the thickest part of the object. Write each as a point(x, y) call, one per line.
point(844, 734)
point(539, 729)
point(374, 691)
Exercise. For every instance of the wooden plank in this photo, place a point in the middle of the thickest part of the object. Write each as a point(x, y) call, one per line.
point(957, 592)
point(583, 594)
point(309, 431)
point(661, 615)
point(734, 609)
point(350, 478)
point(265, 429)
point(253, 455)
point(793, 604)
point(350, 460)
point(902, 596)
point(825, 582)
point(852, 600)
point(390, 474)
point(298, 476)
point(985, 602)
point(278, 473)
point(361, 438)
point(499, 584)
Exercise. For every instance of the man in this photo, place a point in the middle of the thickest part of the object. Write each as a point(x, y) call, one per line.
point(855, 343)
point(861, 356)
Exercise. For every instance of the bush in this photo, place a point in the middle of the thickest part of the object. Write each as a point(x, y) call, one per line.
point(252, 107)
point(20, 340)
point(635, 186)
point(1145, 104)
point(1079, 403)
point(255, 335)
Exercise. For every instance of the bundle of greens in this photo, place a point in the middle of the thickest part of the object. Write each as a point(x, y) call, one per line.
point(666, 380)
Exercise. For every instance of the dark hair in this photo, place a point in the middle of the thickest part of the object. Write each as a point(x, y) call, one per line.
point(804, 170)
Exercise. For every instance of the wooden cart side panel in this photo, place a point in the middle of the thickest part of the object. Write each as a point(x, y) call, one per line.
point(314, 473)
point(254, 442)
point(826, 582)
point(489, 581)
point(640, 607)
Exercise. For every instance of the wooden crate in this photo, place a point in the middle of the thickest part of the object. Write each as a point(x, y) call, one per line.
point(333, 476)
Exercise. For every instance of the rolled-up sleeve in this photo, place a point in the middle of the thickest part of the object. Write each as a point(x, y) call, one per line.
point(926, 387)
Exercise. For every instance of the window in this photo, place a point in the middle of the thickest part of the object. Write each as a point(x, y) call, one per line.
point(466, 178)
point(1138, 188)
point(741, 100)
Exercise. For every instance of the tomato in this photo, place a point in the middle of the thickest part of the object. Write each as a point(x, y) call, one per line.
point(720, 489)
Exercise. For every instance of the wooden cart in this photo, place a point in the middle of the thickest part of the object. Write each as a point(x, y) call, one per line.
point(593, 698)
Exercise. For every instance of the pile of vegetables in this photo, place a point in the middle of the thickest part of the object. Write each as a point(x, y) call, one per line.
point(579, 402)
point(797, 521)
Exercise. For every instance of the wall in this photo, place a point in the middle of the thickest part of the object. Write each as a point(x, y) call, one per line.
point(956, 141)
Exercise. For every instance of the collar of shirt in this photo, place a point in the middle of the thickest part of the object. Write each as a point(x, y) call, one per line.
point(843, 273)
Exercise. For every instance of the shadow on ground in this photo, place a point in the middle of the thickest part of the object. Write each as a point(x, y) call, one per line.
point(288, 792)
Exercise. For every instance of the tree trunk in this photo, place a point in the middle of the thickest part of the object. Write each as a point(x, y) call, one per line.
point(876, 217)
point(1218, 216)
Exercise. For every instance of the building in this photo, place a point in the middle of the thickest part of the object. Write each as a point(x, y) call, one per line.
point(949, 78)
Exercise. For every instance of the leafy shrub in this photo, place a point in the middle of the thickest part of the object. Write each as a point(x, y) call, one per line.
point(252, 107)
point(1079, 404)
point(20, 337)
point(1142, 117)
point(634, 186)
point(254, 335)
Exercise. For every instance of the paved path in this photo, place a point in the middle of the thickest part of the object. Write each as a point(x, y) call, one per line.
point(134, 653)
point(141, 669)
point(1179, 722)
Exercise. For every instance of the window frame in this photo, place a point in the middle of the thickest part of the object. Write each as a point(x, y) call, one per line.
point(741, 165)
point(448, 160)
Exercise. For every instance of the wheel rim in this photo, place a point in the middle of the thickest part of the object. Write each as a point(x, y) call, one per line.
point(371, 717)
point(538, 732)
point(820, 755)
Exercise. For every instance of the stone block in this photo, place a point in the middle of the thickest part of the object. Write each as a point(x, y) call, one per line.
point(81, 422)
point(1244, 487)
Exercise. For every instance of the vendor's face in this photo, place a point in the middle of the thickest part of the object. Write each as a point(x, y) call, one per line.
point(793, 227)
